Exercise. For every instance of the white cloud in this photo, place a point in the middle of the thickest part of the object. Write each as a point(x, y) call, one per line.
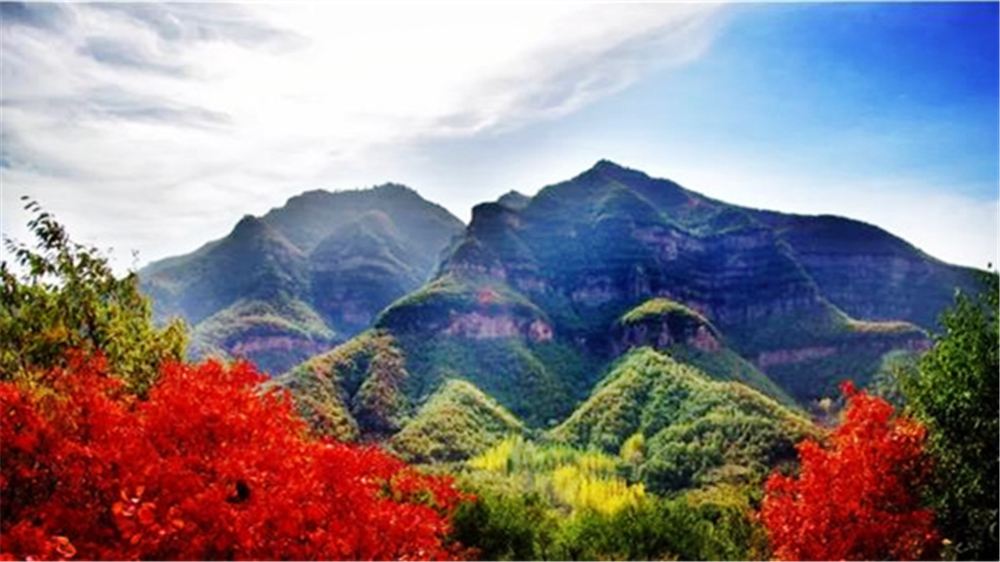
point(154, 127)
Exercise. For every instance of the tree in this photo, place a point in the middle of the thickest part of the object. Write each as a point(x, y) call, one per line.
point(68, 298)
point(506, 526)
point(955, 393)
point(207, 466)
point(857, 498)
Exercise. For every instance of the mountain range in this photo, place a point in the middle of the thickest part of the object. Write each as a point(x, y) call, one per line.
point(605, 306)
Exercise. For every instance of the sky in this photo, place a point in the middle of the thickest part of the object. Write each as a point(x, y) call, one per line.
point(151, 129)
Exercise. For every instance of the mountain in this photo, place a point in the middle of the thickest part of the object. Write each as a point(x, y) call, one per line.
point(290, 284)
point(561, 271)
point(613, 304)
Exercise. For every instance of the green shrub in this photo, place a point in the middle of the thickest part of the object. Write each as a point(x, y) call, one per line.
point(69, 298)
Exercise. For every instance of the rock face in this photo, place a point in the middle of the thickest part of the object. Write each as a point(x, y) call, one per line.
point(661, 337)
point(866, 271)
point(282, 287)
point(477, 326)
point(767, 359)
point(661, 323)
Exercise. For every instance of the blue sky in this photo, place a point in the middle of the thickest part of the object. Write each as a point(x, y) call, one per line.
point(130, 123)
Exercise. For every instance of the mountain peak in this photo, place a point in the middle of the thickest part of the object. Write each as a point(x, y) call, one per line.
point(249, 224)
point(514, 200)
point(604, 165)
point(392, 188)
point(616, 171)
point(605, 169)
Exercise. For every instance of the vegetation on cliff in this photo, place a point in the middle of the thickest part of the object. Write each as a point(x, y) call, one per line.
point(662, 309)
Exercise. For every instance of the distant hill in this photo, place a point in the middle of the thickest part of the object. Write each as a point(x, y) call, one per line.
point(290, 284)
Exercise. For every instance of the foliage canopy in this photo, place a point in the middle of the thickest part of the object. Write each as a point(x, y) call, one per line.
point(207, 467)
point(858, 498)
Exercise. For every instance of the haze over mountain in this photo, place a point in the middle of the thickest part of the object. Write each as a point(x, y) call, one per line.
point(312, 273)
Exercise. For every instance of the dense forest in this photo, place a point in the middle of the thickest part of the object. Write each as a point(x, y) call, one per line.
point(660, 441)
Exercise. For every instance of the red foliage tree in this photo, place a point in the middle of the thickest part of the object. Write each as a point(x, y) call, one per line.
point(856, 499)
point(208, 467)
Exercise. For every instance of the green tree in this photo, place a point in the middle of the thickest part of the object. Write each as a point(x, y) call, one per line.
point(66, 297)
point(711, 524)
point(955, 393)
point(506, 527)
point(633, 450)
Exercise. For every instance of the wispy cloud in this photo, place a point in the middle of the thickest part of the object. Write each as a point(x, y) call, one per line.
point(153, 126)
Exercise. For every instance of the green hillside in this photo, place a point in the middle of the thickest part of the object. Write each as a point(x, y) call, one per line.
point(689, 337)
point(409, 393)
point(458, 422)
point(353, 390)
point(694, 431)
